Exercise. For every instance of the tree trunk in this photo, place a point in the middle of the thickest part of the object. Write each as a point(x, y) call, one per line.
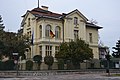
point(39, 66)
point(49, 67)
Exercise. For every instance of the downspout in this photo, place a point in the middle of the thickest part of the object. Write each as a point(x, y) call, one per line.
point(63, 29)
point(62, 18)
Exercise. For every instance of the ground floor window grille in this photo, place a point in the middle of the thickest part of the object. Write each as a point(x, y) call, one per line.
point(48, 50)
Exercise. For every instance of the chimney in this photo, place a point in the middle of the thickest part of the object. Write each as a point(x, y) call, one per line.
point(45, 8)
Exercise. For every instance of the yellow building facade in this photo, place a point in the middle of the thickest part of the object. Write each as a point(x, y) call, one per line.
point(66, 27)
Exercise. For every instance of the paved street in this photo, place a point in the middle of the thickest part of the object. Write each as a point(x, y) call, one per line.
point(68, 77)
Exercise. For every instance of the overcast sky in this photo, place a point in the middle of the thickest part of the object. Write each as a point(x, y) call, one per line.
point(105, 12)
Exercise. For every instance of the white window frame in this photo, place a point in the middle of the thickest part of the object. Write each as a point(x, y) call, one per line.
point(48, 50)
point(57, 32)
point(47, 31)
point(90, 37)
point(75, 20)
point(40, 28)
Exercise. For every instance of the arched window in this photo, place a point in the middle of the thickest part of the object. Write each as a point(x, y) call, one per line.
point(47, 30)
point(40, 27)
point(57, 32)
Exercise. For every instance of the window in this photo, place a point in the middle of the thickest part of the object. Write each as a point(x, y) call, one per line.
point(57, 32)
point(90, 38)
point(47, 31)
point(40, 31)
point(28, 51)
point(57, 48)
point(40, 47)
point(76, 34)
point(28, 21)
point(29, 33)
point(75, 20)
point(48, 51)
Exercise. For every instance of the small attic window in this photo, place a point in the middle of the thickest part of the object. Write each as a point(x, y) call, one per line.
point(75, 20)
point(28, 22)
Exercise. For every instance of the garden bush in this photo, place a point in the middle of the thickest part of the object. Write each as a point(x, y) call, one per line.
point(60, 64)
point(29, 65)
point(49, 60)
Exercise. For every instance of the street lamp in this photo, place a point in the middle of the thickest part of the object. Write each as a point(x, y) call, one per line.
point(108, 61)
point(15, 55)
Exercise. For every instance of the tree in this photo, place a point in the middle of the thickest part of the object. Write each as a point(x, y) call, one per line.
point(60, 64)
point(12, 43)
point(29, 65)
point(7, 65)
point(22, 44)
point(2, 47)
point(92, 21)
point(38, 60)
point(64, 49)
point(108, 57)
point(49, 60)
point(1, 24)
point(116, 52)
point(75, 51)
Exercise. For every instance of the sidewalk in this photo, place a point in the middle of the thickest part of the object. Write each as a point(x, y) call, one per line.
point(97, 76)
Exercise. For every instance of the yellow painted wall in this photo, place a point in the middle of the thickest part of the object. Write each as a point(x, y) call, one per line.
point(94, 44)
point(69, 28)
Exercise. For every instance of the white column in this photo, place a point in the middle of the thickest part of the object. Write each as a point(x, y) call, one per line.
point(43, 50)
point(53, 50)
point(43, 30)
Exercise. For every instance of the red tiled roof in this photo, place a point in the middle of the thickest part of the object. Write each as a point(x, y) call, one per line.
point(39, 12)
point(44, 13)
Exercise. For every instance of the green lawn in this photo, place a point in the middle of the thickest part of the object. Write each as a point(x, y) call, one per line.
point(115, 74)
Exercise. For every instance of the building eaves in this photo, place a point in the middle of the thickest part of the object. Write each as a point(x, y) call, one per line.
point(93, 25)
point(48, 17)
point(76, 10)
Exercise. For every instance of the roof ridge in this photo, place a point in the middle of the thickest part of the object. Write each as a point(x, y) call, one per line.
point(39, 12)
point(44, 11)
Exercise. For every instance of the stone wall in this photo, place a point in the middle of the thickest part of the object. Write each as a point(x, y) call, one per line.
point(95, 63)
